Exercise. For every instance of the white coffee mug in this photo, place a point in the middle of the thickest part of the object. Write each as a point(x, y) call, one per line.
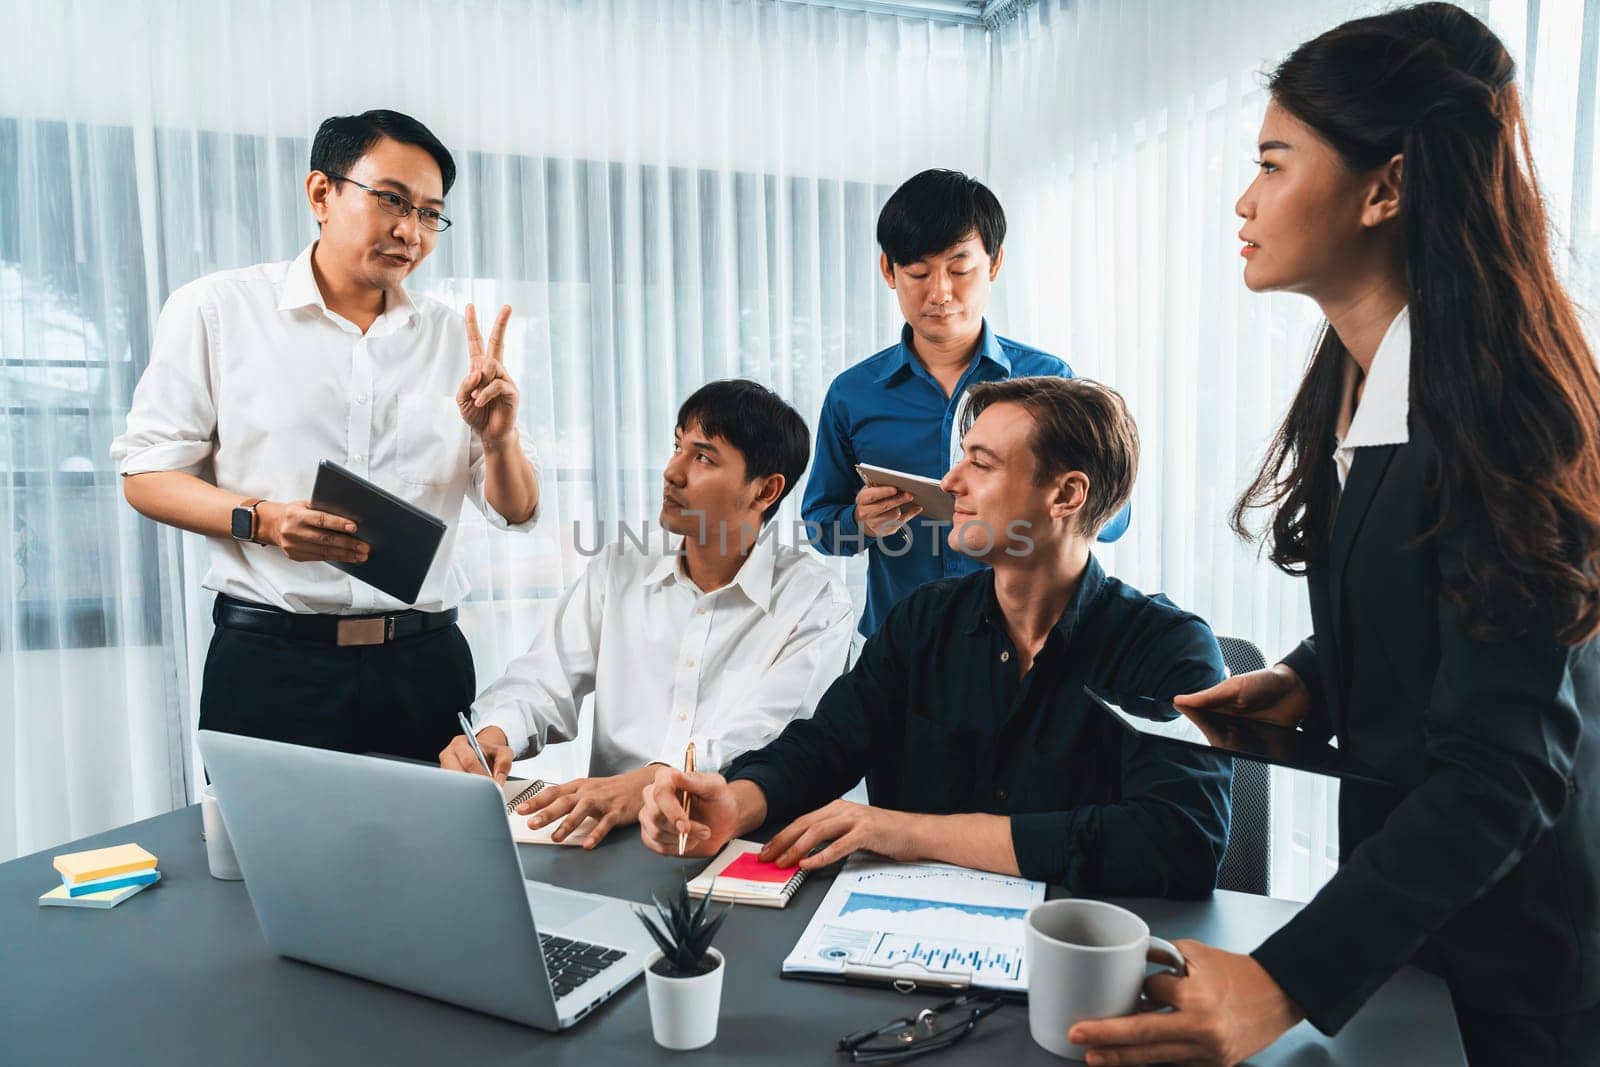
point(1086, 960)
point(219, 850)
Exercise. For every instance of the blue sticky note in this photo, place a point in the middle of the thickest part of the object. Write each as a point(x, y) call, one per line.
point(115, 882)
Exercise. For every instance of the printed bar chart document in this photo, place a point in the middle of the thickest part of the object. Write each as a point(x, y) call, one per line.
point(918, 925)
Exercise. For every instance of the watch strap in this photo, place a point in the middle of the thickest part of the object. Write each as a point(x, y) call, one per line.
point(250, 506)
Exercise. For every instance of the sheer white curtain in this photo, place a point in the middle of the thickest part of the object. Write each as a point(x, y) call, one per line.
point(1121, 135)
point(667, 191)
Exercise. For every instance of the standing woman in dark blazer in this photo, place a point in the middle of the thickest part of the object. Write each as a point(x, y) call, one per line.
point(1437, 480)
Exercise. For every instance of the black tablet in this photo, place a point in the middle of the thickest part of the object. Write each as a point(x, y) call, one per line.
point(1233, 735)
point(404, 538)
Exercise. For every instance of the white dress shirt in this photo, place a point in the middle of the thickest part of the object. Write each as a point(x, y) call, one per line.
point(253, 381)
point(1380, 418)
point(669, 664)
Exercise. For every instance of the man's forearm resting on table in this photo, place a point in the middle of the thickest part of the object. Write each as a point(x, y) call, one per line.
point(510, 485)
point(978, 841)
point(982, 842)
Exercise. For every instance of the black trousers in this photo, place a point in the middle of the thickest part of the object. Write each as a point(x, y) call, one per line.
point(1495, 1040)
point(399, 698)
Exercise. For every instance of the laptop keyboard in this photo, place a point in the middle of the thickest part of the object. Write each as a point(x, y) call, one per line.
point(572, 963)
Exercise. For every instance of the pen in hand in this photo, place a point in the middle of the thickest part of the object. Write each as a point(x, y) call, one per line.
point(466, 728)
point(688, 768)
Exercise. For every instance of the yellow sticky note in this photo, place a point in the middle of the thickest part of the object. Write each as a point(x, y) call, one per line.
point(98, 863)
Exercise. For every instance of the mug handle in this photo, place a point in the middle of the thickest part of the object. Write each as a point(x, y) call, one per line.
point(1163, 951)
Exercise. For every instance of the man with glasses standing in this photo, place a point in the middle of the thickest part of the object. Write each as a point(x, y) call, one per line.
point(256, 375)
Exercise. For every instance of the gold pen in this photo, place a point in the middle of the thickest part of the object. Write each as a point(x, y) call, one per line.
point(688, 768)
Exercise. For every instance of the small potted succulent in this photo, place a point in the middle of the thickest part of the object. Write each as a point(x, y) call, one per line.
point(684, 979)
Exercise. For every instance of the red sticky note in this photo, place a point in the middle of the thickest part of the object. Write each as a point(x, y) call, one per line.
point(749, 868)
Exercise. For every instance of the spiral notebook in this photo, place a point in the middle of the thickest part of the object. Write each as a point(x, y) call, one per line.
point(518, 790)
point(737, 876)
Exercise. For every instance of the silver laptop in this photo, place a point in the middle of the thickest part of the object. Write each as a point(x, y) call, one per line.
point(407, 875)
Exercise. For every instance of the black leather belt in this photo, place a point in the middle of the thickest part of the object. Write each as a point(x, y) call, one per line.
point(238, 614)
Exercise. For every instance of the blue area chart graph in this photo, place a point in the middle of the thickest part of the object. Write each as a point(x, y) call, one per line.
point(876, 902)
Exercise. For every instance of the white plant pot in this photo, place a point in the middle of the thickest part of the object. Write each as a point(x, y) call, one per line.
point(683, 1011)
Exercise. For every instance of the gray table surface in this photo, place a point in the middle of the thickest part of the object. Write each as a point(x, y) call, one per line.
point(180, 974)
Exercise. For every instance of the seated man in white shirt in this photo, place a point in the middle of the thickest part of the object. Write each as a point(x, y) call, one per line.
point(714, 634)
point(258, 374)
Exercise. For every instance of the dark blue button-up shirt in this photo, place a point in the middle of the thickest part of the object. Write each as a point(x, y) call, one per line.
point(936, 718)
point(890, 412)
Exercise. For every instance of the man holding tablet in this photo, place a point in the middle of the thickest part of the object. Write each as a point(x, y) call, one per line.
point(256, 376)
point(941, 236)
point(967, 712)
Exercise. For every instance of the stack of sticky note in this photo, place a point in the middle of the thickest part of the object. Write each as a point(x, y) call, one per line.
point(738, 876)
point(101, 877)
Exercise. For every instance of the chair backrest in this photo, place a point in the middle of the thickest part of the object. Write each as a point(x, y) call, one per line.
point(1247, 863)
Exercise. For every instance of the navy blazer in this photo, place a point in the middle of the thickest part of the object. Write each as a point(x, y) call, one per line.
point(1482, 864)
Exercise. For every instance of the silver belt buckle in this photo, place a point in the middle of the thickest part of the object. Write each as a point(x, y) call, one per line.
point(362, 631)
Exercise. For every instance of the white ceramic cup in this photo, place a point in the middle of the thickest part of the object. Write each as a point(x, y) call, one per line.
point(219, 850)
point(1086, 960)
point(684, 1011)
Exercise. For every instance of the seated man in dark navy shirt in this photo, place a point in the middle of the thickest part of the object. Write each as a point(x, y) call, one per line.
point(966, 711)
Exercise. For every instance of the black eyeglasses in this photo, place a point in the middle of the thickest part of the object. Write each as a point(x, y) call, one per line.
point(929, 1031)
point(399, 206)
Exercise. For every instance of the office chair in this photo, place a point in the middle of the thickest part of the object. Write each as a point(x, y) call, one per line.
point(1247, 863)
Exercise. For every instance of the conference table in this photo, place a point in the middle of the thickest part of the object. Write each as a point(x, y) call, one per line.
point(180, 974)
